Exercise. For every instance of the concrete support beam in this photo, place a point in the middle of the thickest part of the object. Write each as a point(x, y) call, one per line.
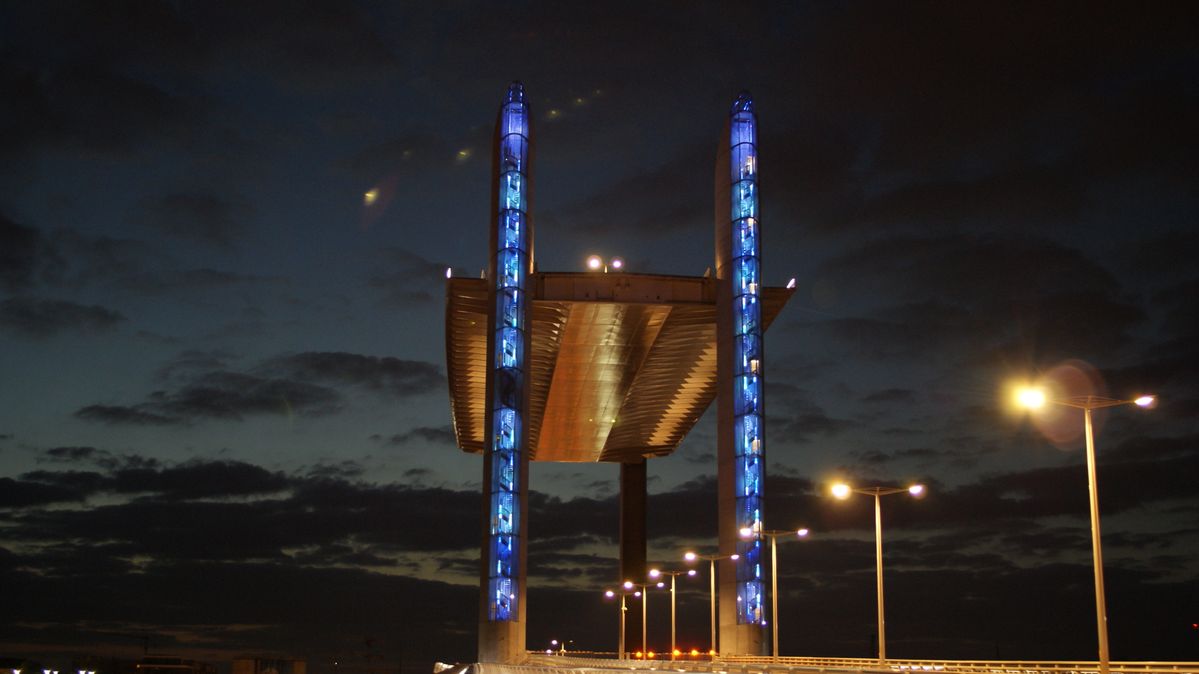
point(633, 541)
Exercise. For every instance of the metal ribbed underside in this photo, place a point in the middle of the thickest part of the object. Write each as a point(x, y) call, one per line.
point(608, 381)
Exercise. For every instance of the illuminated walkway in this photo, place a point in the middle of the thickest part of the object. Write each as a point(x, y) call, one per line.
point(541, 663)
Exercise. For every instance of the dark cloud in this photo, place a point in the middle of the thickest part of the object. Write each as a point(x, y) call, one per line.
point(407, 278)
point(890, 395)
point(43, 318)
point(119, 414)
point(281, 385)
point(434, 435)
point(196, 216)
point(20, 247)
point(392, 376)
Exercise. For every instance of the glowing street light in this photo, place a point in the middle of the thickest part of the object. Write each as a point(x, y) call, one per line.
point(596, 263)
point(1034, 398)
point(691, 557)
point(623, 609)
point(749, 532)
point(629, 585)
point(842, 491)
point(658, 573)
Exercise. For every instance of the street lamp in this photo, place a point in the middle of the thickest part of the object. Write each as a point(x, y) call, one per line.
point(1034, 398)
point(658, 573)
point(691, 557)
point(623, 609)
point(842, 491)
point(749, 532)
point(629, 585)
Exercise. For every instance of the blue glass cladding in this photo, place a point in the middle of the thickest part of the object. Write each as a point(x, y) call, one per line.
point(749, 459)
point(508, 368)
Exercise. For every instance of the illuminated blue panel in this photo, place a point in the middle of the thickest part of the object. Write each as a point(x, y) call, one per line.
point(749, 458)
point(506, 451)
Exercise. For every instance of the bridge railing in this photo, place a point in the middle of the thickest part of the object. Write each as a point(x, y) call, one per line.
point(745, 664)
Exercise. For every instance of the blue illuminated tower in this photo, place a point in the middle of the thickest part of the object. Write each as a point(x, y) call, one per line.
point(740, 447)
point(502, 610)
point(592, 366)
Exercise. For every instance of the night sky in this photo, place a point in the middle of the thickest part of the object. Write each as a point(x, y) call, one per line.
point(224, 418)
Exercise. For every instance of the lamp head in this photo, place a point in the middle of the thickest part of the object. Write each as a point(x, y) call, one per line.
point(916, 490)
point(1146, 401)
point(690, 556)
point(594, 262)
point(628, 585)
point(841, 490)
point(802, 532)
point(1030, 397)
point(654, 573)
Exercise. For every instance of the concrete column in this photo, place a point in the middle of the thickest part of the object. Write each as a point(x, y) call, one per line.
point(633, 541)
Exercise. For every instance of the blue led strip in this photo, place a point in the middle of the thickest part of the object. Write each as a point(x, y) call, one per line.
point(747, 350)
point(511, 265)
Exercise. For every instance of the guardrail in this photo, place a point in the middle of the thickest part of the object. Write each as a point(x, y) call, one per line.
point(746, 664)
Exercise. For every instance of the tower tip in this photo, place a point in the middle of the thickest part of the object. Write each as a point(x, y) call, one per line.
point(744, 103)
point(516, 92)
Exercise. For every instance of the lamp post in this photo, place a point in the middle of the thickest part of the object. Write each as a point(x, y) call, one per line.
point(691, 557)
point(629, 585)
point(623, 608)
point(748, 532)
point(842, 491)
point(1034, 398)
point(658, 573)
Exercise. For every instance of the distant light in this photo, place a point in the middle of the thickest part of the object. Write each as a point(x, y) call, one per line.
point(734, 556)
point(916, 489)
point(802, 532)
point(449, 272)
point(628, 585)
point(654, 573)
point(692, 572)
point(554, 113)
point(553, 642)
point(548, 652)
point(637, 593)
point(594, 262)
point(841, 490)
point(609, 594)
point(1146, 401)
point(463, 154)
point(690, 557)
point(370, 196)
point(617, 263)
point(746, 532)
point(694, 652)
point(791, 284)
point(1032, 398)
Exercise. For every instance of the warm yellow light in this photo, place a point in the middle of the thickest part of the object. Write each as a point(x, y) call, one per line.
point(1032, 398)
point(594, 262)
point(370, 197)
point(654, 573)
point(637, 654)
point(650, 655)
point(712, 652)
point(841, 490)
point(916, 489)
point(746, 532)
point(1146, 401)
point(690, 556)
point(694, 652)
point(677, 652)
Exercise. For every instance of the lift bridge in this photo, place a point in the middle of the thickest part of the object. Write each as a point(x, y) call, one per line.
point(618, 367)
